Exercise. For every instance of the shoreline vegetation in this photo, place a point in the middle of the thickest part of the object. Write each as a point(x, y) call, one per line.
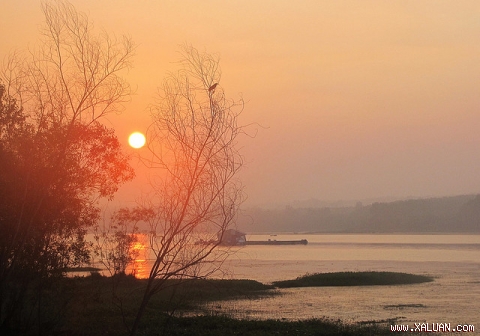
point(82, 269)
point(443, 215)
point(354, 279)
point(99, 305)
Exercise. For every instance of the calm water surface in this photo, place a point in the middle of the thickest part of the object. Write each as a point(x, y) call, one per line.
point(454, 261)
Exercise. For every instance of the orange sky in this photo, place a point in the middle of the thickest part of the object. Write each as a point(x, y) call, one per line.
point(358, 99)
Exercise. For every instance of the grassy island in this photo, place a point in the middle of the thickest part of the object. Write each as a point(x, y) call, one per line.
point(354, 279)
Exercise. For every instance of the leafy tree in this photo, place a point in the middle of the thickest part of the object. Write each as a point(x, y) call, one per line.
point(46, 206)
point(57, 158)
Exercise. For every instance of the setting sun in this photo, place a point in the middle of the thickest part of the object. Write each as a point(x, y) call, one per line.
point(136, 140)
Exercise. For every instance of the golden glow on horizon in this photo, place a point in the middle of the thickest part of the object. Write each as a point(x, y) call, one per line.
point(139, 267)
point(136, 140)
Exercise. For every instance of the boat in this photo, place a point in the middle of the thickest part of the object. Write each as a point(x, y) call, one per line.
point(236, 238)
point(276, 242)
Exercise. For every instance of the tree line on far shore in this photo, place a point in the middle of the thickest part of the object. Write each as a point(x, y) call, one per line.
point(445, 215)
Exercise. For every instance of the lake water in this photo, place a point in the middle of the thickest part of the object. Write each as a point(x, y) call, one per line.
point(454, 261)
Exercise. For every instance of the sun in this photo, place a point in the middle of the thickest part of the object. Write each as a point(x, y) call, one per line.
point(136, 140)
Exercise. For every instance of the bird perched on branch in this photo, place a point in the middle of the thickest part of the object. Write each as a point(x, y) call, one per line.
point(212, 88)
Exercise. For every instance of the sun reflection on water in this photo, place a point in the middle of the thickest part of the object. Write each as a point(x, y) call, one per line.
point(139, 267)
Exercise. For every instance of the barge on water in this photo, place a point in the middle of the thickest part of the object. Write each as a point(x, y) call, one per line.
point(277, 242)
point(233, 237)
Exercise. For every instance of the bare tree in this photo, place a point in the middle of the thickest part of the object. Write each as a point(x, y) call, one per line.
point(194, 158)
point(74, 76)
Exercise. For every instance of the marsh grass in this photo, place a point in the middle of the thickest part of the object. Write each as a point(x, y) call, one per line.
point(107, 305)
point(224, 325)
point(98, 305)
point(354, 279)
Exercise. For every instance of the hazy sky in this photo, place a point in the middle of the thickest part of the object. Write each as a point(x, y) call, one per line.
point(357, 99)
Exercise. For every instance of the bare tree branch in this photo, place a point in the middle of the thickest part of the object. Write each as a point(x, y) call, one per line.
point(194, 151)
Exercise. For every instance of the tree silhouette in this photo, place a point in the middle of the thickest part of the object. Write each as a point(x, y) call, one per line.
point(58, 160)
point(194, 159)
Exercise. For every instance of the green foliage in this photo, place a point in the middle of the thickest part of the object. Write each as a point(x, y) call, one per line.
point(354, 279)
